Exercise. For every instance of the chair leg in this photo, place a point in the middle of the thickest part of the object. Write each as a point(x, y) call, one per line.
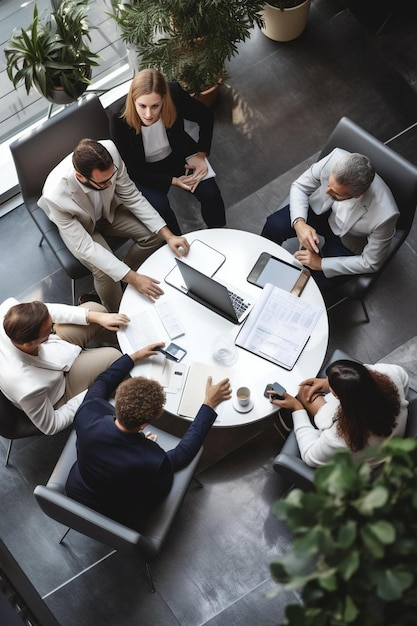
point(64, 535)
point(365, 310)
point(41, 241)
point(148, 570)
point(73, 291)
point(9, 449)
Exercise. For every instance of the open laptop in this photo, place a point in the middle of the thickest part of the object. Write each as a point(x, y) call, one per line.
point(229, 303)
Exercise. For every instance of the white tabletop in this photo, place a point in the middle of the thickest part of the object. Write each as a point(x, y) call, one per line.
point(203, 326)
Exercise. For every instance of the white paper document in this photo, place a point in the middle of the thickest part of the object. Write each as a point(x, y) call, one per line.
point(279, 326)
point(143, 329)
point(202, 257)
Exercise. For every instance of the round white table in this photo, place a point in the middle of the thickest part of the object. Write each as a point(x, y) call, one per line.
point(203, 326)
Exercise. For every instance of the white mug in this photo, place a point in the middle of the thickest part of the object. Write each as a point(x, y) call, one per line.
point(243, 396)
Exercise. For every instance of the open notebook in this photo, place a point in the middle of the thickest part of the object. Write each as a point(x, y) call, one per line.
point(279, 326)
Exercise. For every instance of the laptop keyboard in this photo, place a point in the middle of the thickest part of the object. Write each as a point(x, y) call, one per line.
point(238, 303)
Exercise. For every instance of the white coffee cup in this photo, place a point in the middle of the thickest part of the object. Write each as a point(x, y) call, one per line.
point(243, 396)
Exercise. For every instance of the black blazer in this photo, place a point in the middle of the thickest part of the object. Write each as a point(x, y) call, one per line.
point(130, 144)
point(125, 475)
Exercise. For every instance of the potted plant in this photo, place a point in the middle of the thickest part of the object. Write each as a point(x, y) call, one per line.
point(53, 56)
point(354, 549)
point(285, 20)
point(187, 40)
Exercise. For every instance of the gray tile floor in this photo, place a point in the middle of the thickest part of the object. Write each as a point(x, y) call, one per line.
point(277, 106)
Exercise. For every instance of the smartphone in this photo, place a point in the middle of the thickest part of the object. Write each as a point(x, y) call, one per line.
point(279, 391)
point(173, 352)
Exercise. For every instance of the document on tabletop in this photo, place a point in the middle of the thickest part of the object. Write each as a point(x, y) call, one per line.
point(202, 257)
point(279, 326)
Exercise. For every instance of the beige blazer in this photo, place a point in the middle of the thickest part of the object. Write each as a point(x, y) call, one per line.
point(70, 208)
point(370, 224)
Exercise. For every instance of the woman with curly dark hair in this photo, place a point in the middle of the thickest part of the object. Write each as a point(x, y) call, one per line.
point(356, 407)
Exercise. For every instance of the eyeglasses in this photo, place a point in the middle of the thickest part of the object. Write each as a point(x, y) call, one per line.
point(104, 183)
point(337, 196)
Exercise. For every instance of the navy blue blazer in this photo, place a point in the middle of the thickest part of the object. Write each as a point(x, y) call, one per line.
point(130, 144)
point(125, 475)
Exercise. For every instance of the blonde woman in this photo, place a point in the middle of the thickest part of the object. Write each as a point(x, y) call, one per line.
point(147, 127)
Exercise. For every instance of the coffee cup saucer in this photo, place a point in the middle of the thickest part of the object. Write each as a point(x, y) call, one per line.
point(242, 409)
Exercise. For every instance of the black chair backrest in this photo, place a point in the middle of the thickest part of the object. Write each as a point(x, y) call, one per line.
point(36, 153)
point(399, 174)
point(14, 423)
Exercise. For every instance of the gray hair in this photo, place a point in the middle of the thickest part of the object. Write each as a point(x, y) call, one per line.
point(354, 171)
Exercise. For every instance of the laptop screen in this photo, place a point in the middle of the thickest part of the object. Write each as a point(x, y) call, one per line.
point(208, 291)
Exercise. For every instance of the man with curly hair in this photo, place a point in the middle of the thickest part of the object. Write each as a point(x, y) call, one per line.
point(120, 470)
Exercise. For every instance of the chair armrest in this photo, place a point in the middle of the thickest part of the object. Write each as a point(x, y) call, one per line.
point(294, 471)
point(87, 521)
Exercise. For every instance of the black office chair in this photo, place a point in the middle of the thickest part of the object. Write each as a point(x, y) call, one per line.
point(56, 504)
point(14, 424)
point(289, 464)
point(36, 153)
point(400, 176)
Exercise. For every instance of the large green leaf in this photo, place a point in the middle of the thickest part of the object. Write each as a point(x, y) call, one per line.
point(374, 499)
point(392, 583)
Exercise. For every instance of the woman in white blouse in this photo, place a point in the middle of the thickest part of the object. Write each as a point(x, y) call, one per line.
point(356, 407)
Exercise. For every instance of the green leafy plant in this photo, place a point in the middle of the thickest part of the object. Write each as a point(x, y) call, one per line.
point(54, 53)
point(187, 40)
point(354, 553)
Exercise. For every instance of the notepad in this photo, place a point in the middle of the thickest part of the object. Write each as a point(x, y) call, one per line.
point(195, 386)
point(202, 257)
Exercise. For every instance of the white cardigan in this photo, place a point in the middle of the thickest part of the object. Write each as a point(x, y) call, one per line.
point(317, 445)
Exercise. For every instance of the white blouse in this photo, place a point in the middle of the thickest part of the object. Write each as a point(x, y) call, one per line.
point(318, 444)
point(155, 142)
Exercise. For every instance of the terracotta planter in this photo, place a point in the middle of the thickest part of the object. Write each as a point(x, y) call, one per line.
point(286, 24)
point(209, 96)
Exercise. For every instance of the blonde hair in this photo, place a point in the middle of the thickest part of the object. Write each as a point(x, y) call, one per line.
point(144, 83)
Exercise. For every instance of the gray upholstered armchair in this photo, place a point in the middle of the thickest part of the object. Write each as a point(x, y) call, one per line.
point(37, 152)
point(401, 177)
point(14, 424)
point(56, 504)
point(288, 462)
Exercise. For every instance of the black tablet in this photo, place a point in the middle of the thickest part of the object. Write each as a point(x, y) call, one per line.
point(270, 269)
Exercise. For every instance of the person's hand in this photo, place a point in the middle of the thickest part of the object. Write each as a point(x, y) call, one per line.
point(195, 170)
point(310, 259)
point(287, 402)
point(147, 286)
point(307, 236)
point(217, 393)
point(151, 436)
point(110, 321)
point(315, 386)
point(179, 245)
point(146, 351)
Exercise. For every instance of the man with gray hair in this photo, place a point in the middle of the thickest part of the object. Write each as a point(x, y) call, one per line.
point(341, 198)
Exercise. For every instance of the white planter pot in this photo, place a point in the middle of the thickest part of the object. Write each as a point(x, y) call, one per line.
point(287, 24)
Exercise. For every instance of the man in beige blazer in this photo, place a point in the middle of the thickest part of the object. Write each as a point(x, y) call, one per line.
point(341, 198)
point(89, 195)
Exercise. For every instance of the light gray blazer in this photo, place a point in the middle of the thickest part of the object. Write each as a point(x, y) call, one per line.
point(70, 208)
point(370, 225)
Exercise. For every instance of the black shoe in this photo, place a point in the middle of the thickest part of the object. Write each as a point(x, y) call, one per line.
point(88, 297)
